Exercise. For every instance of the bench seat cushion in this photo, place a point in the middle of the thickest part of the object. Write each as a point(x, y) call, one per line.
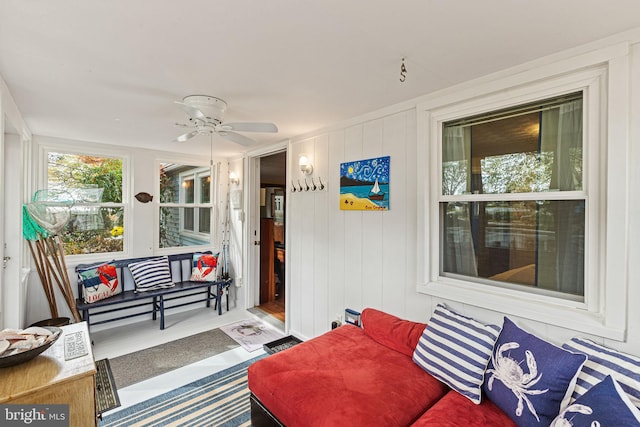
point(455, 410)
point(343, 375)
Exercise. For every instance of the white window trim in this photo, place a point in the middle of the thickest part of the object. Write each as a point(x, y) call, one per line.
point(604, 77)
point(195, 175)
point(209, 170)
point(42, 180)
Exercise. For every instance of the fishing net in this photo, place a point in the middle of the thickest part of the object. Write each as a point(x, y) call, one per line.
point(48, 213)
point(43, 218)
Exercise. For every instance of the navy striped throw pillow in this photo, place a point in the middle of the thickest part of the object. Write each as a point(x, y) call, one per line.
point(151, 274)
point(603, 361)
point(456, 350)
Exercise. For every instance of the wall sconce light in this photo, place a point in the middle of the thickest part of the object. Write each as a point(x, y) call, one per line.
point(305, 165)
point(233, 178)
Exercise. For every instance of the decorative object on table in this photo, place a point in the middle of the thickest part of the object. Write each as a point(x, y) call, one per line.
point(19, 346)
point(43, 219)
point(364, 184)
point(143, 197)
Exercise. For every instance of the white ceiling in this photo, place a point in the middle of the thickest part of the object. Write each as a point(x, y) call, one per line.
point(109, 70)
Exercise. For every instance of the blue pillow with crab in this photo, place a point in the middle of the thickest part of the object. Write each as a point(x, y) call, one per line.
point(605, 404)
point(529, 378)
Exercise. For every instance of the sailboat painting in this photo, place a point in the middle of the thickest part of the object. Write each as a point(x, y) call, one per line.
point(364, 185)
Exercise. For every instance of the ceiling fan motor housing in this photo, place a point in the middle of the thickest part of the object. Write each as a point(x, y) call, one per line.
point(213, 108)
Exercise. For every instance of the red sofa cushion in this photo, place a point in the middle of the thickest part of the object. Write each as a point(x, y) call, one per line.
point(455, 410)
point(343, 376)
point(398, 334)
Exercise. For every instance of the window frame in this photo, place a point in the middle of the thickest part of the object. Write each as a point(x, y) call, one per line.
point(125, 204)
point(602, 76)
point(195, 174)
point(550, 195)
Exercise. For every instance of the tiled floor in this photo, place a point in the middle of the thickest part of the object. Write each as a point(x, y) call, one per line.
point(113, 342)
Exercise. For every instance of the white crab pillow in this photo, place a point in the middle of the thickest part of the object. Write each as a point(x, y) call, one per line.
point(530, 379)
point(605, 404)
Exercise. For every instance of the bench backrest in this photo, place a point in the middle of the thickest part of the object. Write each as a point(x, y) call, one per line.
point(180, 269)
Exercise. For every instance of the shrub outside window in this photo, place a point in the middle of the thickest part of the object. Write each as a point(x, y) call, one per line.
point(94, 184)
point(512, 205)
point(185, 205)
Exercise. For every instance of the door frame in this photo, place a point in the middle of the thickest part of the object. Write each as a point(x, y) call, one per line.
point(15, 158)
point(251, 251)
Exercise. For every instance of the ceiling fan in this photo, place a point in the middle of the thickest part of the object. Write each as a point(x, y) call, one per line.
point(205, 115)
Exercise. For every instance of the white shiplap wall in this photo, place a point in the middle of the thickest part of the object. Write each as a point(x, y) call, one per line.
point(340, 259)
point(354, 259)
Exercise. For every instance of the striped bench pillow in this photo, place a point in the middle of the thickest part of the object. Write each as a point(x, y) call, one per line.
point(603, 361)
point(456, 350)
point(151, 274)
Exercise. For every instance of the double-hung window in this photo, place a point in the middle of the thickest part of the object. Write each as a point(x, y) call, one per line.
point(524, 194)
point(512, 203)
point(185, 205)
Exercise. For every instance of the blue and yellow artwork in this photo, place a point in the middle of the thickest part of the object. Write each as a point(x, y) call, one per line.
point(364, 185)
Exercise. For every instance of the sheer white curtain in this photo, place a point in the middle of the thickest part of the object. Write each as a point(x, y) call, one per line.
point(563, 269)
point(461, 256)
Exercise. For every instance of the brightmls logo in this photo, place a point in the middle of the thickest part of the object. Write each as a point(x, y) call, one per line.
point(34, 415)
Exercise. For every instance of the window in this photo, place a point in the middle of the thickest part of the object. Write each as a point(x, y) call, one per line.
point(550, 242)
point(185, 205)
point(91, 187)
point(512, 205)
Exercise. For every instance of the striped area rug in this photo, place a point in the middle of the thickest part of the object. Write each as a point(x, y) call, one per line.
point(221, 399)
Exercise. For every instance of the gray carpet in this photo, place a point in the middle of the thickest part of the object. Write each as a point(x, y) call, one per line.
point(141, 365)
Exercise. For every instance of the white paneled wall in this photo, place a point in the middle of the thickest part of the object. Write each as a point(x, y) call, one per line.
point(357, 259)
point(354, 259)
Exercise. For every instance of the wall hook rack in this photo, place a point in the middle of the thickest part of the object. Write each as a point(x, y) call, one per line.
point(313, 186)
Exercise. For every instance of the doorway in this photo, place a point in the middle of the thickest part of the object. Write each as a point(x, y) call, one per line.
point(273, 180)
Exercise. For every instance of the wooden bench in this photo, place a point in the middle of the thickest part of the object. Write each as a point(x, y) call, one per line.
point(156, 301)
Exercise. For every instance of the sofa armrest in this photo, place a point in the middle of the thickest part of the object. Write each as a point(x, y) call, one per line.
point(391, 331)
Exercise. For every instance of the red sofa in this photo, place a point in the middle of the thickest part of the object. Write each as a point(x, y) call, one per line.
point(360, 377)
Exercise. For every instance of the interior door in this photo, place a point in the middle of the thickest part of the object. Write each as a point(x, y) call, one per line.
point(267, 232)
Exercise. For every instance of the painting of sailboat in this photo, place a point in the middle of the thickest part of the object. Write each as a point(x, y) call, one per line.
point(364, 184)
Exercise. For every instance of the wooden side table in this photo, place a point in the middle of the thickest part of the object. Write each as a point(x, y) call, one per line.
point(50, 379)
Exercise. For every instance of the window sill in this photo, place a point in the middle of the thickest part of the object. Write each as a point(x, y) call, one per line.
point(560, 313)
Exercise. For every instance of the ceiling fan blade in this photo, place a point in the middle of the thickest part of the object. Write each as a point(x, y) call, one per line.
point(249, 127)
point(192, 112)
point(237, 138)
point(186, 136)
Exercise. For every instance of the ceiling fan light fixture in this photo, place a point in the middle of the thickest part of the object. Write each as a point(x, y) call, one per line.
point(205, 113)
